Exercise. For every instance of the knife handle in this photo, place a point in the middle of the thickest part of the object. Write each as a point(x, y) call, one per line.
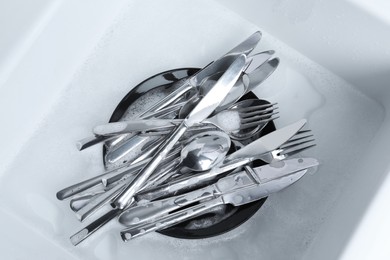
point(144, 213)
point(170, 220)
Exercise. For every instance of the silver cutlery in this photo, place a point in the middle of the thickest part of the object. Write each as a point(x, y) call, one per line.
point(244, 84)
point(205, 107)
point(245, 47)
point(250, 187)
point(108, 177)
point(181, 145)
point(243, 115)
point(263, 148)
point(200, 153)
point(240, 88)
point(151, 211)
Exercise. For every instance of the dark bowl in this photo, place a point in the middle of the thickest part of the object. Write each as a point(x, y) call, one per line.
point(235, 215)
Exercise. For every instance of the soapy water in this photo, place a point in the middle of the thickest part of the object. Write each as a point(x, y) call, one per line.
point(228, 120)
point(218, 214)
point(289, 220)
point(133, 112)
point(143, 103)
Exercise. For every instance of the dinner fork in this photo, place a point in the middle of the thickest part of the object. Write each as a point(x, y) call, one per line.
point(301, 141)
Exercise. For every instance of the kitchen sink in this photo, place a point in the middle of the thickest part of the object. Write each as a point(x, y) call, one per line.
point(66, 65)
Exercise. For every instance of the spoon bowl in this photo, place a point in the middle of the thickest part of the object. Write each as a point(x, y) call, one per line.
point(201, 152)
point(205, 150)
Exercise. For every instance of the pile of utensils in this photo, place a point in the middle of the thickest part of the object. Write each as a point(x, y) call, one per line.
point(189, 167)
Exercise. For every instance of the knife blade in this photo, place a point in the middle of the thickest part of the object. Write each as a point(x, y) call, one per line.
point(235, 197)
point(261, 73)
point(258, 59)
point(147, 212)
point(205, 107)
point(245, 155)
point(268, 142)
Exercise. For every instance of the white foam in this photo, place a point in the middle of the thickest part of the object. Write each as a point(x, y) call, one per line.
point(228, 120)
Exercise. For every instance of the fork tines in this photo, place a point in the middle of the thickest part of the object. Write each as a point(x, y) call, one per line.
point(301, 141)
point(257, 115)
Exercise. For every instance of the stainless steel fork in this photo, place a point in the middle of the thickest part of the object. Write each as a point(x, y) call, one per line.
point(301, 141)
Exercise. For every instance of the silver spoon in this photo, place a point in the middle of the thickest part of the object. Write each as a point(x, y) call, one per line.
point(201, 153)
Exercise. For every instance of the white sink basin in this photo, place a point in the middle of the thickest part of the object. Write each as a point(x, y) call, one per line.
point(65, 66)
